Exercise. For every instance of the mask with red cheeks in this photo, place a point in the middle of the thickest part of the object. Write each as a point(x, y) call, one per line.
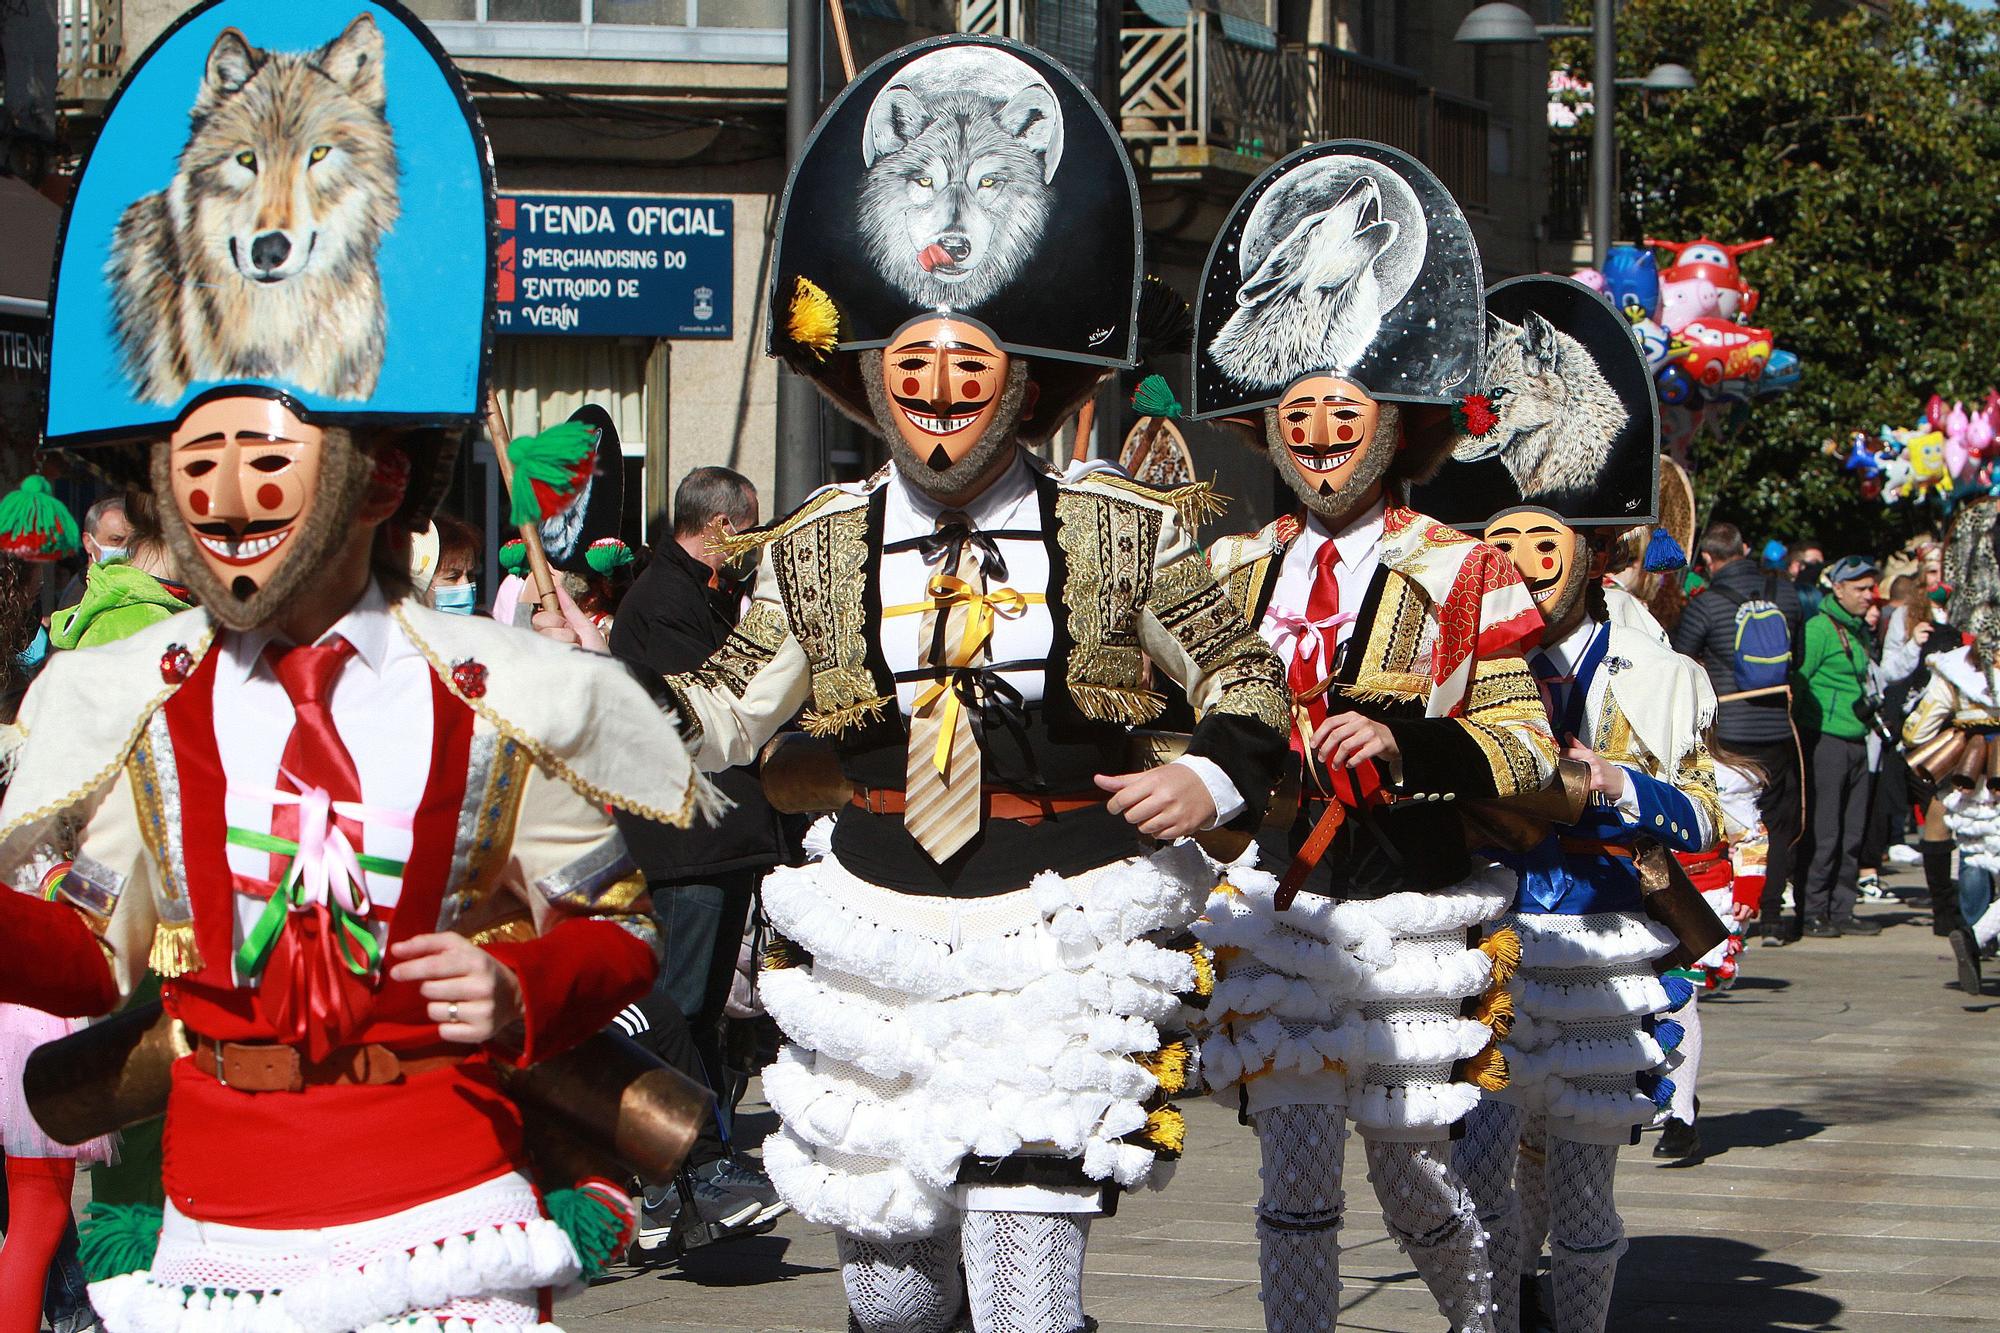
point(1558, 563)
point(944, 379)
point(1331, 442)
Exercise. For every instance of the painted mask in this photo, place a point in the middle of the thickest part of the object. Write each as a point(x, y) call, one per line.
point(1331, 442)
point(944, 379)
point(1550, 556)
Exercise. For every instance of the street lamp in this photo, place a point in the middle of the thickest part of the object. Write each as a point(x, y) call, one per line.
point(1502, 24)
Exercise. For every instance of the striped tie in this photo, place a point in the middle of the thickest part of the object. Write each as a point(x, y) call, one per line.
point(941, 781)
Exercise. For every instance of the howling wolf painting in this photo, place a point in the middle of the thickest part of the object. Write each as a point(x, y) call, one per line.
point(1557, 413)
point(960, 150)
point(260, 253)
point(1324, 253)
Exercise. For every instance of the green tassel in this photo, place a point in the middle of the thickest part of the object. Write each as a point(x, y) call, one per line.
point(549, 469)
point(514, 557)
point(34, 525)
point(119, 1238)
point(1154, 398)
point(606, 554)
point(596, 1228)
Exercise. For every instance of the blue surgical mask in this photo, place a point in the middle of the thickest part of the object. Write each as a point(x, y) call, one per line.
point(459, 599)
point(31, 656)
point(107, 554)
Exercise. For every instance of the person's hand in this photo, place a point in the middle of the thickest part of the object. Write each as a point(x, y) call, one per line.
point(1605, 776)
point(1742, 912)
point(569, 625)
point(473, 997)
point(1164, 803)
point(1346, 739)
point(1922, 635)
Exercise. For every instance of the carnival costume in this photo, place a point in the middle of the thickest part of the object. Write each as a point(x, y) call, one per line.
point(980, 978)
point(1586, 1049)
point(1364, 1000)
point(272, 826)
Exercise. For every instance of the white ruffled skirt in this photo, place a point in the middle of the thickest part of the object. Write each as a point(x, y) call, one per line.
point(1974, 820)
point(1585, 1048)
point(921, 1031)
point(471, 1262)
point(1383, 1008)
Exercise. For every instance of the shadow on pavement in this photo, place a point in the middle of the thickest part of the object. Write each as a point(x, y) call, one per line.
point(730, 1263)
point(1712, 1282)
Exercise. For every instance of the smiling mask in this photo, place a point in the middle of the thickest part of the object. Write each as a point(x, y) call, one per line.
point(1331, 442)
point(947, 399)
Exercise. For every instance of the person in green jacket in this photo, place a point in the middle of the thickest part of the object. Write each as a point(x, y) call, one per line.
point(1830, 693)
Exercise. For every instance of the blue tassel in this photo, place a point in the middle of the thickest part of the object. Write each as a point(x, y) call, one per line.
point(1669, 1034)
point(1663, 1094)
point(1663, 553)
point(1679, 991)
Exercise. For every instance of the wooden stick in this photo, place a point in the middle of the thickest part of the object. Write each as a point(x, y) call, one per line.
point(1086, 417)
point(839, 12)
point(531, 536)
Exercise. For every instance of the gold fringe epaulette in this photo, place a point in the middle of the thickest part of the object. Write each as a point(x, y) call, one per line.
point(1111, 703)
point(733, 545)
point(1169, 1065)
point(1503, 946)
point(174, 953)
point(1195, 502)
point(836, 720)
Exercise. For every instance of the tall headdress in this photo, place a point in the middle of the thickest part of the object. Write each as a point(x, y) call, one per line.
point(1347, 259)
point(290, 201)
point(968, 176)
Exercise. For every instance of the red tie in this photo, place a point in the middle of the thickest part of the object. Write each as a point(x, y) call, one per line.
point(307, 993)
point(1312, 655)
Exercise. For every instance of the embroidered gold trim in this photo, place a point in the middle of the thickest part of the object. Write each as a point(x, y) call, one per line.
point(1389, 668)
point(1110, 546)
point(1259, 701)
point(512, 930)
point(820, 570)
point(749, 648)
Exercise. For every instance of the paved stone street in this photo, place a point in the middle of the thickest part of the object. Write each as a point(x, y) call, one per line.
point(1852, 1182)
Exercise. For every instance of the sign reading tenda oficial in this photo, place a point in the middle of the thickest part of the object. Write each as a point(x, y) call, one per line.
point(615, 266)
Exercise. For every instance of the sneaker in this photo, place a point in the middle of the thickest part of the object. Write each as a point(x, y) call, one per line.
point(1678, 1141)
point(659, 1211)
point(734, 1192)
point(1855, 925)
point(1902, 854)
point(1870, 887)
point(1966, 953)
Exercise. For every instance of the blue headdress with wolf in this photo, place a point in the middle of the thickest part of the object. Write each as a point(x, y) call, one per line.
point(288, 199)
point(961, 175)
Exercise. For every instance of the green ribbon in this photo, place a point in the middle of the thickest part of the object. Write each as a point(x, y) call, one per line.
point(262, 936)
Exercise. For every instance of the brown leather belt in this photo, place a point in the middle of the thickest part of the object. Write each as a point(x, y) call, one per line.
point(995, 803)
point(1592, 847)
point(268, 1067)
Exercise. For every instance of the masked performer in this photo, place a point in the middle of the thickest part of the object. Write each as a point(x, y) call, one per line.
point(363, 844)
point(1584, 1049)
point(1949, 739)
point(973, 981)
point(1340, 311)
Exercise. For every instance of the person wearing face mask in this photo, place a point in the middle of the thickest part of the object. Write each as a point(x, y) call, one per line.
point(1362, 1000)
point(979, 977)
point(1589, 1047)
point(1834, 700)
point(1806, 562)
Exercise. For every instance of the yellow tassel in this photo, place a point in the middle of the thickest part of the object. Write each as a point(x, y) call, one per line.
point(174, 953)
point(836, 720)
point(814, 322)
point(730, 544)
point(1197, 502)
point(779, 954)
point(1496, 1010)
point(1487, 1070)
point(1503, 946)
point(1204, 972)
point(1169, 1065)
point(1166, 1129)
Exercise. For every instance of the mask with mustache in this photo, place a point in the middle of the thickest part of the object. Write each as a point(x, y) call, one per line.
point(1555, 560)
point(947, 400)
point(261, 496)
point(1332, 443)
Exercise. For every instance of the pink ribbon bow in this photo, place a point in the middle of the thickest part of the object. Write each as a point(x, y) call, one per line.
point(1305, 633)
point(328, 868)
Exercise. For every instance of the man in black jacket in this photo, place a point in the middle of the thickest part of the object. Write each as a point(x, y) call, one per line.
point(702, 879)
point(1760, 727)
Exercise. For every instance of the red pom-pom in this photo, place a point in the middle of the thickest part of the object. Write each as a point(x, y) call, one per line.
point(469, 678)
point(1474, 414)
point(176, 664)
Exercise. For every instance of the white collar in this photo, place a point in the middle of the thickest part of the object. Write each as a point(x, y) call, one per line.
point(1564, 656)
point(1357, 539)
point(1008, 490)
point(367, 625)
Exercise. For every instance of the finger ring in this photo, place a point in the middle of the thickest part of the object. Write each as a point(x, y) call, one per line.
point(451, 1012)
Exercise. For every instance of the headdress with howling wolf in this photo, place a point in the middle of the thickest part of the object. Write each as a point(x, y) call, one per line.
point(969, 176)
point(1348, 259)
point(286, 200)
point(1564, 420)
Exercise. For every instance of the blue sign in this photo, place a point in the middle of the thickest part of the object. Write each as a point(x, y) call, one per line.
point(615, 266)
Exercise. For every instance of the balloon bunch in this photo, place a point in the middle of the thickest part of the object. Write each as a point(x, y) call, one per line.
point(1949, 455)
point(1686, 319)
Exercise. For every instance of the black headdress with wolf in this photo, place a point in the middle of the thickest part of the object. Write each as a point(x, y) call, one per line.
point(1349, 259)
point(1565, 419)
point(961, 175)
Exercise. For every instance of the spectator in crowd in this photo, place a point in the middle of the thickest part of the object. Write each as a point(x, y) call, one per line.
point(107, 536)
point(1804, 562)
point(702, 879)
point(1755, 718)
point(1835, 703)
point(455, 586)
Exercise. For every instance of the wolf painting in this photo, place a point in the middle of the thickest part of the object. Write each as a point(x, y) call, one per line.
point(258, 260)
point(1557, 414)
point(1324, 254)
point(960, 150)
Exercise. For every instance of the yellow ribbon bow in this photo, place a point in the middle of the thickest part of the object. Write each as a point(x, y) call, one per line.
point(948, 592)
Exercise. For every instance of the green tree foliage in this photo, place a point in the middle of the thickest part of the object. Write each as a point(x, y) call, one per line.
point(1868, 144)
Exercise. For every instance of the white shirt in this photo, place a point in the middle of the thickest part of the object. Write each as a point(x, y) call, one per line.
point(385, 678)
point(1358, 552)
point(1011, 503)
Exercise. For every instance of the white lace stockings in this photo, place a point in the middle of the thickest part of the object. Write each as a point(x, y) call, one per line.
point(1485, 1159)
point(907, 1286)
point(1298, 1216)
point(1586, 1236)
point(1431, 1216)
point(1685, 1073)
point(1024, 1271)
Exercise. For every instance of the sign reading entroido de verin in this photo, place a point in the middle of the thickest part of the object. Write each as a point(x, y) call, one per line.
point(615, 265)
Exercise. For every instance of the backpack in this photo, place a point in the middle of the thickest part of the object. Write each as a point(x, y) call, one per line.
point(1761, 645)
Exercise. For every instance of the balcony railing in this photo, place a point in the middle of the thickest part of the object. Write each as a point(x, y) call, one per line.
point(722, 31)
point(91, 52)
point(1569, 187)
